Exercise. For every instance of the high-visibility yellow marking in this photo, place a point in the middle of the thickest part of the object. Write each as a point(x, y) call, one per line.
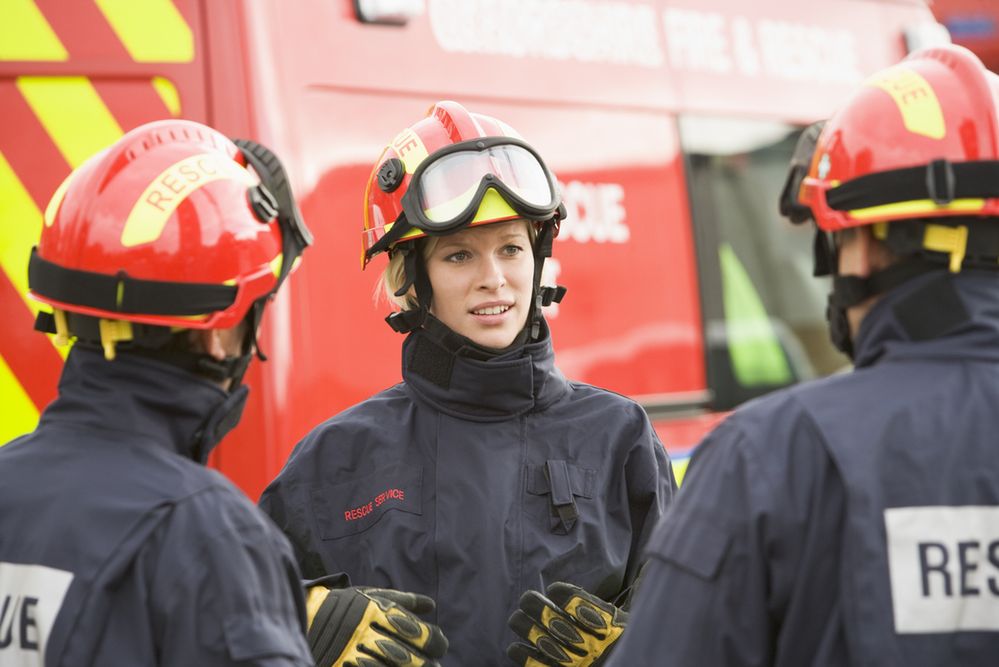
point(53, 205)
point(72, 113)
point(168, 93)
point(20, 415)
point(680, 468)
point(62, 337)
point(906, 209)
point(113, 332)
point(412, 233)
point(754, 349)
point(951, 240)
point(410, 149)
point(276, 264)
point(492, 207)
point(20, 227)
point(153, 31)
point(918, 104)
point(165, 193)
point(26, 35)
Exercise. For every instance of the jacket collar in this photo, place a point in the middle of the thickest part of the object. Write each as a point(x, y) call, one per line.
point(454, 376)
point(134, 395)
point(937, 315)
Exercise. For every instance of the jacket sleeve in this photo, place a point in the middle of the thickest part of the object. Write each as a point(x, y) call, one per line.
point(651, 488)
point(702, 597)
point(226, 590)
point(286, 502)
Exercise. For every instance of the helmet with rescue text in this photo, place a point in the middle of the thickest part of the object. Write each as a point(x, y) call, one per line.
point(172, 228)
point(452, 170)
point(913, 156)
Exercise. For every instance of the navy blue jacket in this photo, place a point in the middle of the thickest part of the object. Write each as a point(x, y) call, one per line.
point(849, 521)
point(451, 484)
point(117, 549)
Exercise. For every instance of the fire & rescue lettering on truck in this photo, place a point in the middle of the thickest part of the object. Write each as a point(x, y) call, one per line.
point(670, 123)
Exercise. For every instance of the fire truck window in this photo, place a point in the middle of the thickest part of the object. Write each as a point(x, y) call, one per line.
point(753, 346)
point(764, 313)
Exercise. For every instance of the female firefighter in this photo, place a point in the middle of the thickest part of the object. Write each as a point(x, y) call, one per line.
point(485, 473)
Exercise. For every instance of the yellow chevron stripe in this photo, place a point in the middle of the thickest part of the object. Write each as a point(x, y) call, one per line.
point(19, 414)
point(153, 31)
point(26, 35)
point(20, 229)
point(73, 114)
point(168, 93)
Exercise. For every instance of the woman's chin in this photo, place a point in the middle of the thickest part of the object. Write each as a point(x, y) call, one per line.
point(495, 339)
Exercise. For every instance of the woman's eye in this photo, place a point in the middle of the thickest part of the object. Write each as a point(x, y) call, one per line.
point(459, 256)
point(512, 250)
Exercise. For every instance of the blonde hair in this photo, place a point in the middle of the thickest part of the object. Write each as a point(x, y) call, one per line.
point(394, 275)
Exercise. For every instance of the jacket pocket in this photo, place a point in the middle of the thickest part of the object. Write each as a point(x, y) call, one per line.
point(561, 483)
point(356, 505)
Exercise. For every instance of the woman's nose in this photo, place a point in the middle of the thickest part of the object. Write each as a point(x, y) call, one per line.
point(491, 275)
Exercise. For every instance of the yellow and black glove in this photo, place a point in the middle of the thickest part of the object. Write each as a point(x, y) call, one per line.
point(568, 627)
point(372, 627)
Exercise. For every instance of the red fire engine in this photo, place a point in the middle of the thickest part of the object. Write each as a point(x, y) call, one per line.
point(973, 24)
point(669, 123)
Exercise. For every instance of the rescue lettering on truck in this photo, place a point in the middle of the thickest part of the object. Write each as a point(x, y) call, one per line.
point(668, 122)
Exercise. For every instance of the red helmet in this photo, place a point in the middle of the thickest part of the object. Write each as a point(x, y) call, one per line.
point(918, 140)
point(450, 170)
point(169, 227)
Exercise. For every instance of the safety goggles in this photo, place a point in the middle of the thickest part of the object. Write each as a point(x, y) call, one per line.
point(446, 189)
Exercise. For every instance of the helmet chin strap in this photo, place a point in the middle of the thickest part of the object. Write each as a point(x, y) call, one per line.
point(544, 296)
point(850, 291)
point(414, 275)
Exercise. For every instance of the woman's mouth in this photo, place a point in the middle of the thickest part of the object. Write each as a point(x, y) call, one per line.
point(491, 310)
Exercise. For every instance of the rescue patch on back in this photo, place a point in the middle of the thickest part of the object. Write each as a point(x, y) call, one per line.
point(944, 566)
point(30, 599)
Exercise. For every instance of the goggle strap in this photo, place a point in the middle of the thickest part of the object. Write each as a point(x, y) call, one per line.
point(392, 236)
point(295, 235)
point(543, 243)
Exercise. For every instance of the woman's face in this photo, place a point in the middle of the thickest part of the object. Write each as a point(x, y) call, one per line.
point(482, 280)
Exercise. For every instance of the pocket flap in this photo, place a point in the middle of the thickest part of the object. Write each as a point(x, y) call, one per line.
point(699, 546)
point(354, 506)
point(253, 637)
point(581, 480)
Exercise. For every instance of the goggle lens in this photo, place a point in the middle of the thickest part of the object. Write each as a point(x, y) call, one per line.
point(449, 185)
